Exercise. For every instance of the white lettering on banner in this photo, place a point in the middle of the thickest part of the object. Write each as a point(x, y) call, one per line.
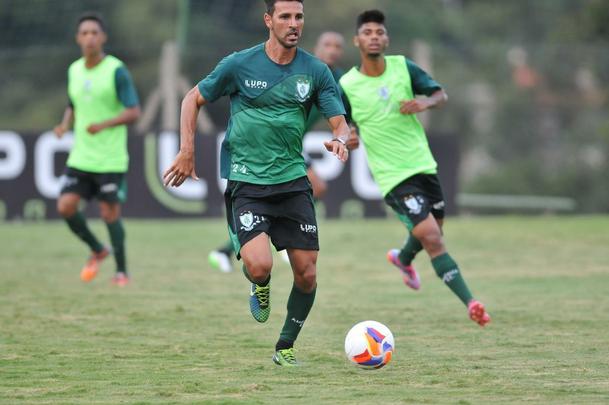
point(361, 178)
point(47, 146)
point(169, 145)
point(14, 160)
point(328, 167)
point(221, 182)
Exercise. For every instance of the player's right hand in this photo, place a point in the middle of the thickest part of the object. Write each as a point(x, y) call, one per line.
point(353, 140)
point(182, 168)
point(60, 130)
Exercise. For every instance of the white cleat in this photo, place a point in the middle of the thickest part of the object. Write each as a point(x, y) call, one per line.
point(220, 261)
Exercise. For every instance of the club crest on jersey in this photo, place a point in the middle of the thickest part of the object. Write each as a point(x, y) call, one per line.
point(414, 204)
point(384, 93)
point(303, 89)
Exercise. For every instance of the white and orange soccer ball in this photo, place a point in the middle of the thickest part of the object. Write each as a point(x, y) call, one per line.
point(369, 344)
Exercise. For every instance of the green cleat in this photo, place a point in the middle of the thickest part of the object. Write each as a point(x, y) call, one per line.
point(260, 302)
point(285, 357)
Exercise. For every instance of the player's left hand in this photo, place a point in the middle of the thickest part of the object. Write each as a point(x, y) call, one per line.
point(182, 168)
point(413, 106)
point(338, 149)
point(95, 128)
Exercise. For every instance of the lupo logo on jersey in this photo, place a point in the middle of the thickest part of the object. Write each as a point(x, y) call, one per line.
point(256, 84)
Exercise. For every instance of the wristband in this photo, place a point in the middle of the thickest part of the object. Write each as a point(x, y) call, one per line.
point(340, 140)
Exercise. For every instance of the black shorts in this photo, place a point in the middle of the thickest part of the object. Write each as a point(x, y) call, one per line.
point(108, 187)
point(415, 198)
point(283, 211)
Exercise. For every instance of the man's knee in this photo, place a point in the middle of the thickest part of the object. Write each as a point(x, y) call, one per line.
point(67, 207)
point(258, 268)
point(432, 243)
point(109, 212)
point(306, 278)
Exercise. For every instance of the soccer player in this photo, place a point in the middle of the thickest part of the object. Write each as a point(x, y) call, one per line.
point(380, 96)
point(272, 87)
point(103, 101)
point(329, 49)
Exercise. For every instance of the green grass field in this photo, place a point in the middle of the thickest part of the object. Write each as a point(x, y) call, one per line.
point(182, 333)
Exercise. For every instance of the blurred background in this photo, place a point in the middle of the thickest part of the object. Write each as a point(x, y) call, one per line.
point(525, 130)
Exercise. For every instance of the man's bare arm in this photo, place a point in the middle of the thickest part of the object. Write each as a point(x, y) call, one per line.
point(127, 116)
point(66, 122)
point(341, 132)
point(183, 166)
point(437, 99)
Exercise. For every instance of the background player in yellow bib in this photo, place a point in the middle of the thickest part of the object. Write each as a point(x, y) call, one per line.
point(380, 95)
point(103, 101)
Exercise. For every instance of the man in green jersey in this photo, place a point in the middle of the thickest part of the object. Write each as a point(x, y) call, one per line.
point(329, 49)
point(103, 101)
point(380, 97)
point(272, 87)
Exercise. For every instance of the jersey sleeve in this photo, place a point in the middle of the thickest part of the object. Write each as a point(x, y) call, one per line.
point(346, 104)
point(422, 83)
point(125, 89)
point(328, 96)
point(220, 82)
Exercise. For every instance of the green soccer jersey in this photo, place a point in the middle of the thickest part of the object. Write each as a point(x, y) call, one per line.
point(270, 104)
point(96, 95)
point(395, 143)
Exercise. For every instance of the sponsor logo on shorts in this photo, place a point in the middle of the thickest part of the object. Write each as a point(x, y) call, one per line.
point(109, 188)
point(308, 228)
point(249, 220)
point(439, 205)
point(414, 204)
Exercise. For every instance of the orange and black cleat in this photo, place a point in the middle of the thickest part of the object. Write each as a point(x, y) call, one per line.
point(91, 268)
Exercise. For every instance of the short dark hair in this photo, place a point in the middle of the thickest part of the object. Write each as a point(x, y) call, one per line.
point(270, 5)
point(92, 16)
point(367, 16)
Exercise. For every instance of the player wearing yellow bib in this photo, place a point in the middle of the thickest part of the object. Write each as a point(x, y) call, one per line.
point(380, 96)
point(102, 101)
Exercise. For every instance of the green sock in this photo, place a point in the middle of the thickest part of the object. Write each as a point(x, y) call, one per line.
point(78, 225)
point(299, 305)
point(117, 237)
point(410, 250)
point(448, 271)
point(227, 249)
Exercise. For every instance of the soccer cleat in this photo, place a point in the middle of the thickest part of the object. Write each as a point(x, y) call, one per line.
point(91, 268)
point(409, 274)
point(285, 357)
point(477, 313)
point(120, 279)
point(260, 302)
point(220, 260)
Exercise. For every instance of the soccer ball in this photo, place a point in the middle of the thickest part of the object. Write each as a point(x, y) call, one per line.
point(369, 344)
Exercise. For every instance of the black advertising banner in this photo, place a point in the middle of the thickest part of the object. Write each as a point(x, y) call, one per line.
point(31, 166)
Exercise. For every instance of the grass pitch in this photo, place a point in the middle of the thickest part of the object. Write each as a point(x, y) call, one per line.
point(182, 333)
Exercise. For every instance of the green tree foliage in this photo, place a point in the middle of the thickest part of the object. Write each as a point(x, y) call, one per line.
point(532, 126)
